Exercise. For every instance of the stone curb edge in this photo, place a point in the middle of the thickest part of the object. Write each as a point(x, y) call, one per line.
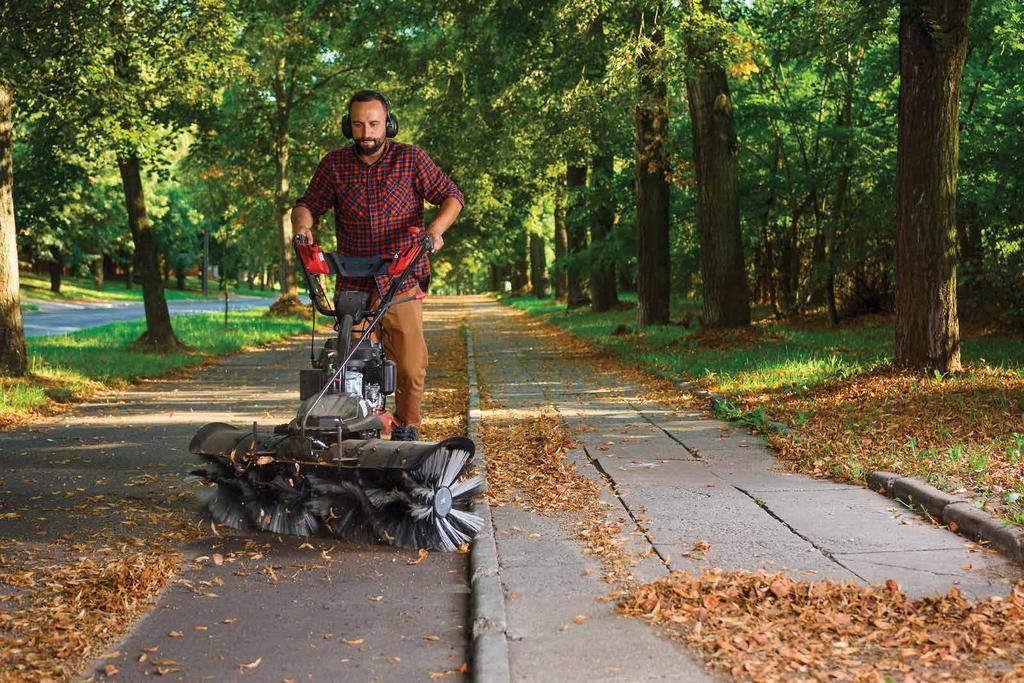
point(969, 520)
point(489, 657)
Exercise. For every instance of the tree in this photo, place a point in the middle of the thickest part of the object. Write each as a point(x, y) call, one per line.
point(933, 46)
point(653, 277)
point(13, 359)
point(724, 277)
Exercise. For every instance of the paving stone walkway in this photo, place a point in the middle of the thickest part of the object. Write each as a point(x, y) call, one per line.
point(680, 478)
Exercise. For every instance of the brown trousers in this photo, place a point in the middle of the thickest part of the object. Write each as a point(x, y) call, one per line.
point(404, 343)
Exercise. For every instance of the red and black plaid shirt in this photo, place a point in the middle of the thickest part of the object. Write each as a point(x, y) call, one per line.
point(375, 206)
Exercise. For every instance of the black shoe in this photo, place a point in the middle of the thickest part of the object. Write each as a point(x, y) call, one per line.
point(405, 433)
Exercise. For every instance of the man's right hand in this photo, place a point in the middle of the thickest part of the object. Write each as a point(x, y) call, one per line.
point(302, 222)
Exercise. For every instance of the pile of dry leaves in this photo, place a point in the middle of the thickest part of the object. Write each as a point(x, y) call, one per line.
point(526, 466)
point(69, 608)
point(768, 627)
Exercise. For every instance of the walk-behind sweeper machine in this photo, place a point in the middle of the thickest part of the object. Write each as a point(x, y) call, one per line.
point(329, 470)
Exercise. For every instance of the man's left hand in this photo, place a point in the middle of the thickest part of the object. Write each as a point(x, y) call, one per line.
point(437, 239)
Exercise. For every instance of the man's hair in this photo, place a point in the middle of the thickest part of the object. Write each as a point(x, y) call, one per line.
point(370, 96)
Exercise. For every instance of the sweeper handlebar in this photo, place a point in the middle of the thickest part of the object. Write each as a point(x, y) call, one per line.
point(314, 261)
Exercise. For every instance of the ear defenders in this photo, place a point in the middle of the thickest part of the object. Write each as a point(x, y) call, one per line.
point(390, 124)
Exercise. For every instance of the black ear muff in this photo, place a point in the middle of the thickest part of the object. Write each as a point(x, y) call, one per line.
point(390, 127)
point(346, 126)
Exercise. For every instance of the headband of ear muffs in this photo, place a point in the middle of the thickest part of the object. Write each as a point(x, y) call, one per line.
point(390, 124)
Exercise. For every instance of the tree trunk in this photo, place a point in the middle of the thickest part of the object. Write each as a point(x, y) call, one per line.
point(576, 227)
point(282, 206)
point(13, 360)
point(933, 45)
point(179, 275)
point(561, 244)
point(604, 294)
point(159, 334)
point(520, 269)
point(725, 292)
point(97, 273)
point(538, 266)
point(653, 275)
point(56, 269)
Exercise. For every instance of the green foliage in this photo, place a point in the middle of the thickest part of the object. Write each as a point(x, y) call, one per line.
point(502, 96)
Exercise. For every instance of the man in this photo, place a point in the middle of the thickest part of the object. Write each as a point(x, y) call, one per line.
point(376, 187)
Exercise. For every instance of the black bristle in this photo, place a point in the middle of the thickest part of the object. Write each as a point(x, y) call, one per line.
point(389, 505)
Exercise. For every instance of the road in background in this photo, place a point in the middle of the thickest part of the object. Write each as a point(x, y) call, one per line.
point(62, 317)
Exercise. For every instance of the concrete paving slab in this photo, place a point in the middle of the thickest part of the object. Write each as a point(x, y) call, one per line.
point(860, 520)
point(927, 572)
point(741, 535)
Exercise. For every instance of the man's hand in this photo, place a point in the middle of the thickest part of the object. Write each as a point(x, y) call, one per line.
point(302, 222)
point(436, 238)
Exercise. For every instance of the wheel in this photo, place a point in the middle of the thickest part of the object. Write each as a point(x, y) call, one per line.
point(344, 337)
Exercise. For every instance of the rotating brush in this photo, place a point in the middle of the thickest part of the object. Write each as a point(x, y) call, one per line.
point(419, 508)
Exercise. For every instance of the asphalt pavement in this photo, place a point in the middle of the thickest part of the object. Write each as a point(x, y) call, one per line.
point(62, 317)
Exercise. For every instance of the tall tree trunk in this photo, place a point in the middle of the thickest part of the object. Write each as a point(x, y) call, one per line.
point(520, 269)
point(13, 360)
point(725, 292)
point(282, 206)
point(179, 276)
point(538, 266)
point(604, 294)
point(159, 334)
point(56, 269)
point(933, 45)
point(653, 275)
point(576, 227)
point(561, 243)
point(96, 267)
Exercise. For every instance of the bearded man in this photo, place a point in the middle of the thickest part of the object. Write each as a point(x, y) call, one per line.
point(376, 187)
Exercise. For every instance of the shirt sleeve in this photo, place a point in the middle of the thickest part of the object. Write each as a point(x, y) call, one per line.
point(320, 193)
point(431, 183)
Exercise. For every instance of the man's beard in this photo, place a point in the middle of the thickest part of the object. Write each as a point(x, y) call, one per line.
point(372, 149)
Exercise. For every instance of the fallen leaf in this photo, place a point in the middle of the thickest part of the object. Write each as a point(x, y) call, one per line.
point(109, 670)
point(252, 665)
point(353, 641)
point(435, 638)
point(422, 555)
point(580, 618)
point(218, 559)
point(175, 634)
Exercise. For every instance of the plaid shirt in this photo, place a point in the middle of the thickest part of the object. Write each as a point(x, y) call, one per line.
point(375, 206)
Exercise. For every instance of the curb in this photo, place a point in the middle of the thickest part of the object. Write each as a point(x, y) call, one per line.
point(969, 520)
point(489, 656)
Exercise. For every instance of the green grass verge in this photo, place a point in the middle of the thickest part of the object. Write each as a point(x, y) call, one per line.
point(773, 357)
point(78, 288)
point(67, 367)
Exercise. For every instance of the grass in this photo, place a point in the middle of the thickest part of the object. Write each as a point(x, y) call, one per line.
point(962, 433)
point(82, 289)
point(69, 367)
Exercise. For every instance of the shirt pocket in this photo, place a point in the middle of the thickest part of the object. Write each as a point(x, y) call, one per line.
point(399, 198)
point(352, 198)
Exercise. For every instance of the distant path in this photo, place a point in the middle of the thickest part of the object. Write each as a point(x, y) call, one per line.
point(61, 317)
